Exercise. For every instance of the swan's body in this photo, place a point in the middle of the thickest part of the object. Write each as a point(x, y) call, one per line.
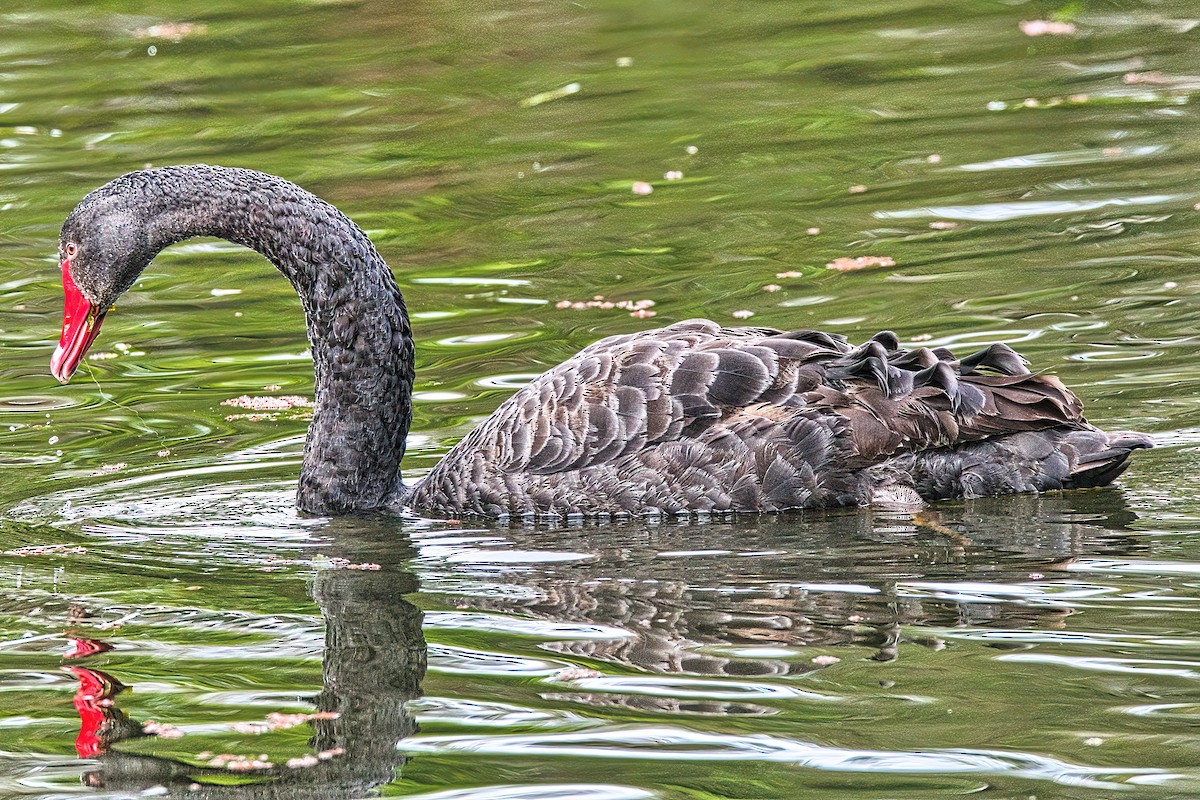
point(690, 418)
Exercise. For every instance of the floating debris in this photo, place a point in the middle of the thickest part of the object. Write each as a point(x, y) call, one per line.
point(1153, 78)
point(636, 308)
point(311, 760)
point(943, 225)
point(269, 416)
point(642, 188)
point(270, 408)
point(857, 188)
point(174, 31)
point(825, 661)
point(121, 348)
point(692, 149)
point(45, 550)
point(553, 94)
point(772, 287)
point(673, 175)
point(1046, 27)
point(624, 61)
point(120, 465)
point(813, 231)
point(277, 721)
point(742, 314)
point(164, 730)
point(848, 264)
point(164, 453)
point(576, 674)
point(933, 158)
point(344, 563)
point(922, 337)
point(238, 763)
point(282, 403)
point(791, 273)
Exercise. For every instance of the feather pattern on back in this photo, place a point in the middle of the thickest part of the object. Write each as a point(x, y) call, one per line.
point(698, 418)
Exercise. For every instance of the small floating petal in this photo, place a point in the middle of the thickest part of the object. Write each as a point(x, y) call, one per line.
point(1046, 27)
point(847, 264)
point(553, 94)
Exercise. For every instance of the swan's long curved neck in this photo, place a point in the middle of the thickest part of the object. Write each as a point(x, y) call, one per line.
point(357, 322)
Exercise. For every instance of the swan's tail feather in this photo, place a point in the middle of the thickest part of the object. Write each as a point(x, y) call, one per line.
point(1031, 461)
point(1102, 467)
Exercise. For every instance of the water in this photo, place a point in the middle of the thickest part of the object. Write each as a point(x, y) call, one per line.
point(1031, 647)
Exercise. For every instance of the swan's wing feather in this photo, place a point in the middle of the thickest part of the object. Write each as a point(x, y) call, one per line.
point(627, 392)
point(623, 393)
point(696, 416)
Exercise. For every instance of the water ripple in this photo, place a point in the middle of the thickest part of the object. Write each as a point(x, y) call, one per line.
point(547, 629)
point(1062, 158)
point(1134, 666)
point(446, 658)
point(679, 744)
point(1113, 565)
point(549, 791)
point(696, 688)
point(1168, 710)
point(1002, 212)
point(492, 714)
point(980, 592)
point(35, 402)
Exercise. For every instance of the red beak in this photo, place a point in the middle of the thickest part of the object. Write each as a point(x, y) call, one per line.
point(81, 326)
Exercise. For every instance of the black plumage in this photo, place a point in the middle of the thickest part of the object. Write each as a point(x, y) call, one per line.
point(690, 418)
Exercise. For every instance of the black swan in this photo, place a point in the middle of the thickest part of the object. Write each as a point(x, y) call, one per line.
point(692, 418)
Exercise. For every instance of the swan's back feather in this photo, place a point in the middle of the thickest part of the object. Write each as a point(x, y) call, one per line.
point(698, 418)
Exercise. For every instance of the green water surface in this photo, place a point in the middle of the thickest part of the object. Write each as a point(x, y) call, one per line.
point(1037, 190)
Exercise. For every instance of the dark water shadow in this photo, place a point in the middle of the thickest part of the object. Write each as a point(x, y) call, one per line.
point(854, 577)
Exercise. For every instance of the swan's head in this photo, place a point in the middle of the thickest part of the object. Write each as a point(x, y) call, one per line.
point(104, 246)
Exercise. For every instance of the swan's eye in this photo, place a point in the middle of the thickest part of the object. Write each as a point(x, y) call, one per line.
point(71, 249)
